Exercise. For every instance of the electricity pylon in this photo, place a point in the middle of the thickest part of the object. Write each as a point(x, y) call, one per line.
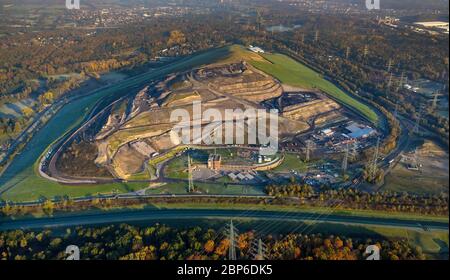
point(435, 100)
point(389, 65)
point(259, 19)
point(308, 149)
point(316, 36)
point(373, 169)
point(347, 53)
point(396, 109)
point(365, 51)
point(416, 158)
point(345, 160)
point(258, 250)
point(416, 129)
point(231, 233)
point(190, 180)
point(400, 83)
point(302, 39)
point(389, 84)
point(354, 149)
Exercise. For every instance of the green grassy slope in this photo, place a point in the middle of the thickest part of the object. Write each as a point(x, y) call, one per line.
point(293, 73)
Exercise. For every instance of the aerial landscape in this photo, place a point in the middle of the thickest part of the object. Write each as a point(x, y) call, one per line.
point(224, 130)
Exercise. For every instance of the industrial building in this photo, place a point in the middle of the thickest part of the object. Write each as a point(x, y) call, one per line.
point(359, 131)
point(214, 162)
point(255, 49)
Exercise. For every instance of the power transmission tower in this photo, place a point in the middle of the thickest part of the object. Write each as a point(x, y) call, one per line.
point(389, 65)
point(259, 20)
point(416, 159)
point(244, 189)
point(416, 129)
point(191, 183)
point(365, 51)
point(258, 250)
point(396, 109)
point(400, 83)
point(389, 84)
point(347, 53)
point(435, 100)
point(231, 233)
point(354, 152)
point(345, 160)
point(373, 169)
point(308, 149)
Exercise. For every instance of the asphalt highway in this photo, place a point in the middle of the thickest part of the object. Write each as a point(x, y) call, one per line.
point(178, 214)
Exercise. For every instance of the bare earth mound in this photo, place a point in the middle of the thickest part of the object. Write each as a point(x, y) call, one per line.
point(138, 129)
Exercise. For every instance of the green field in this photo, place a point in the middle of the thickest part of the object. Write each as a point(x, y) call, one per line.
point(205, 188)
point(33, 187)
point(432, 242)
point(176, 168)
point(293, 73)
point(292, 162)
point(307, 209)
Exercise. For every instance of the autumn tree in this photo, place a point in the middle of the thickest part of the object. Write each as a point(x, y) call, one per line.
point(176, 37)
point(209, 246)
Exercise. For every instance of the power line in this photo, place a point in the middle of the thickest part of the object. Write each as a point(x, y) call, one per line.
point(365, 51)
point(308, 150)
point(259, 20)
point(258, 249)
point(354, 149)
point(416, 159)
point(190, 180)
point(400, 83)
point(435, 100)
point(373, 169)
point(345, 160)
point(416, 129)
point(231, 233)
point(389, 83)
point(389, 65)
point(396, 109)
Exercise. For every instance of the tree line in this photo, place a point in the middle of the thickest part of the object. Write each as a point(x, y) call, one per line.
point(162, 242)
point(351, 198)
